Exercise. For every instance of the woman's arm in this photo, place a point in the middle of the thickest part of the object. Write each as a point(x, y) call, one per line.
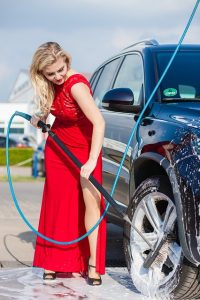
point(81, 94)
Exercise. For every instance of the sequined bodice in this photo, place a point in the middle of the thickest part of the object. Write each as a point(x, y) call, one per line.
point(64, 107)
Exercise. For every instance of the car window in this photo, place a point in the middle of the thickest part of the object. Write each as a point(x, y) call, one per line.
point(105, 80)
point(182, 79)
point(92, 78)
point(95, 79)
point(131, 75)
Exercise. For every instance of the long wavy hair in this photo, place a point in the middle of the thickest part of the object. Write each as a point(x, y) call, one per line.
point(45, 55)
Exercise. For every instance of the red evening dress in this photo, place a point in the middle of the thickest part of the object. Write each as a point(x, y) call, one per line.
point(63, 208)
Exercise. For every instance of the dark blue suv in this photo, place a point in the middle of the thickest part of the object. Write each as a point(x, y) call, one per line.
point(159, 185)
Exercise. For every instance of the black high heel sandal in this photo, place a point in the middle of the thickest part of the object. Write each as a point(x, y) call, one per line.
point(93, 281)
point(49, 276)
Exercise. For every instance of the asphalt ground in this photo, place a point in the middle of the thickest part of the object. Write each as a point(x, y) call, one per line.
point(19, 171)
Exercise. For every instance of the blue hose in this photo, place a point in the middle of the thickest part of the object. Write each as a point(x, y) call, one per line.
point(28, 117)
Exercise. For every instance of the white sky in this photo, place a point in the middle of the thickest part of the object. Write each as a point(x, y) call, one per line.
point(90, 30)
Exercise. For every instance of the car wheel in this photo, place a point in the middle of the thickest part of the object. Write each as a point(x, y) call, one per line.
point(169, 274)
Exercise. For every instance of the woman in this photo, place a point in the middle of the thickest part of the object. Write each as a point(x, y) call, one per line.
point(71, 205)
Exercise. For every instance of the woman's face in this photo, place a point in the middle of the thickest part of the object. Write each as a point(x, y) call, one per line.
point(57, 72)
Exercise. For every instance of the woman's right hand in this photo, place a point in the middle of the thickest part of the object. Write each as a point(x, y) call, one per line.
point(34, 120)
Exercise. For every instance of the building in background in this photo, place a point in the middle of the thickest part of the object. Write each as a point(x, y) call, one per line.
point(22, 91)
point(22, 99)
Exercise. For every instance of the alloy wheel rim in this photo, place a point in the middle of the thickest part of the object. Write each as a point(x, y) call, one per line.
point(152, 212)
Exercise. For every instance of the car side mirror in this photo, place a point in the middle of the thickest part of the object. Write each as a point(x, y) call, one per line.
point(119, 99)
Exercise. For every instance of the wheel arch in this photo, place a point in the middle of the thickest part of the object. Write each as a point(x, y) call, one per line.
point(148, 165)
point(151, 164)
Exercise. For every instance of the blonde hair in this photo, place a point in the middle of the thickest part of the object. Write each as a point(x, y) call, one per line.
point(45, 55)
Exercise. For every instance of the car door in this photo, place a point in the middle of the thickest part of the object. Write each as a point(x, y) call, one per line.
point(129, 74)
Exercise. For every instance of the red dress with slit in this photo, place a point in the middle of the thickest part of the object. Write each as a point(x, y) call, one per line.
point(63, 208)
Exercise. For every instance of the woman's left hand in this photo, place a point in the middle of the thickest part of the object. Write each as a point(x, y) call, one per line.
point(88, 168)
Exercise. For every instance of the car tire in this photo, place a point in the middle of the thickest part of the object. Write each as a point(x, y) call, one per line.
point(170, 275)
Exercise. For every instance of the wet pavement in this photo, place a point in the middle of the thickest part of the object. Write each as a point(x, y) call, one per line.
point(27, 284)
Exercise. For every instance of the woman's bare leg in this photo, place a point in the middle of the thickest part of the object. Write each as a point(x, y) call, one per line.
point(92, 213)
